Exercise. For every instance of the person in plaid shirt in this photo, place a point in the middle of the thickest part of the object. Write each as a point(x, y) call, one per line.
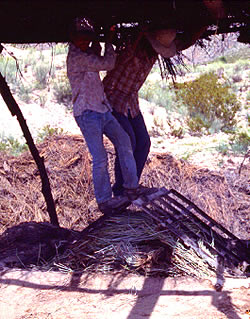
point(121, 86)
point(123, 82)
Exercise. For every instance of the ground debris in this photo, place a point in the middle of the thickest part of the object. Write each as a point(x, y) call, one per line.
point(130, 241)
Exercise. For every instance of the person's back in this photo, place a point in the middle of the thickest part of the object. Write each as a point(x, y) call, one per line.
point(124, 81)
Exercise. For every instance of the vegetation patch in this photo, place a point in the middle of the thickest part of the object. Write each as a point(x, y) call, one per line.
point(208, 101)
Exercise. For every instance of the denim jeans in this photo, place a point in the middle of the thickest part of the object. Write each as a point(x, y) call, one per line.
point(93, 125)
point(140, 141)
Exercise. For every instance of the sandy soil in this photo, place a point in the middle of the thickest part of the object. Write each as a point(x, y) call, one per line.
point(40, 295)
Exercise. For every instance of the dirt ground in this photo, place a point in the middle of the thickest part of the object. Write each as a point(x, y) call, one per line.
point(53, 295)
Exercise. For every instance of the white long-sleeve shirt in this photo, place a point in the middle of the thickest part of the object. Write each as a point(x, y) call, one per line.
point(83, 73)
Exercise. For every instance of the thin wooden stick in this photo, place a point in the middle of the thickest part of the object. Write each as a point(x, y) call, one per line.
point(15, 111)
point(242, 163)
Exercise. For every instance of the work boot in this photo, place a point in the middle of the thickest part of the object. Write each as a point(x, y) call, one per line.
point(134, 193)
point(114, 204)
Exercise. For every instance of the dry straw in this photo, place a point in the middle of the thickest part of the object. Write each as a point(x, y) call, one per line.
point(130, 241)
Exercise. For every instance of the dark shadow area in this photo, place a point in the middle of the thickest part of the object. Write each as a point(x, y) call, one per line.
point(34, 243)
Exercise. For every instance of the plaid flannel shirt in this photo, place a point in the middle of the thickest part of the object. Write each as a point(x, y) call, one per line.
point(122, 83)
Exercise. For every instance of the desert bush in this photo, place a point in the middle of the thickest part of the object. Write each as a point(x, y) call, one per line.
point(60, 49)
point(23, 91)
point(41, 72)
point(30, 59)
point(11, 145)
point(47, 131)
point(9, 70)
point(62, 89)
point(248, 96)
point(240, 142)
point(42, 98)
point(157, 92)
point(208, 100)
point(236, 54)
point(223, 148)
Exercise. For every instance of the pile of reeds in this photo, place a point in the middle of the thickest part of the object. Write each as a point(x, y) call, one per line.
point(132, 242)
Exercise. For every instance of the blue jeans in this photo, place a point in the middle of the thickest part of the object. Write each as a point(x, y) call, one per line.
point(93, 125)
point(140, 141)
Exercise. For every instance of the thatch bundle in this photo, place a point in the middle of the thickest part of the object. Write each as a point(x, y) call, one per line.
point(130, 241)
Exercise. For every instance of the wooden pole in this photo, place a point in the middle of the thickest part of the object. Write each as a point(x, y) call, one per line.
point(15, 111)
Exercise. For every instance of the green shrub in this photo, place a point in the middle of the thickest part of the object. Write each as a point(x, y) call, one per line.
point(248, 96)
point(197, 125)
point(240, 142)
point(62, 89)
point(9, 70)
point(235, 55)
point(24, 92)
point(179, 133)
point(60, 49)
point(46, 131)
point(41, 73)
point(158, 93)
point(223, 148)
point(12, 145)
point(208, 100)
point(30, 58)
point(42, 98)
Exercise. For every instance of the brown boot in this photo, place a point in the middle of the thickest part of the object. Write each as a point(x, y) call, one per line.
point(134, 193)
point(114, 204)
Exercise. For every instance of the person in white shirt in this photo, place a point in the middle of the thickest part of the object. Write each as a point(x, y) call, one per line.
point(92, 113)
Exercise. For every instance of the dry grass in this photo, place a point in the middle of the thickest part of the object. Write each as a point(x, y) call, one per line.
point(224, 196)
point(130, 241)
point(69, 169)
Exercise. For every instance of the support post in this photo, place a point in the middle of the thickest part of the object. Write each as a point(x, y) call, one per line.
point(15, 111)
